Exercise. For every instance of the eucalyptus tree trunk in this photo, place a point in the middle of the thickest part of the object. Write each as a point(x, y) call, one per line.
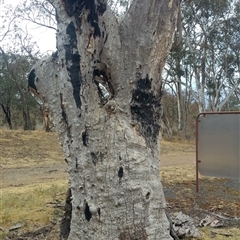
point(26, 115)
point(103, 88)
point(8, 116)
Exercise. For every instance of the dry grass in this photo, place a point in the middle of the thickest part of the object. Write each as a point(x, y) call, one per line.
point(213, 197)
point(33, 204)
point(29, 148)
point(220, 234)
point(174, 148)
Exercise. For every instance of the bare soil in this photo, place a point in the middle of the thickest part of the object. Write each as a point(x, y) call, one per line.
point(36, 157)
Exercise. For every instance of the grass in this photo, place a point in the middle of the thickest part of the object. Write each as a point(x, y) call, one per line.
point(32, 204)
point(173, 148)
point(21, 149)
point(220, 234)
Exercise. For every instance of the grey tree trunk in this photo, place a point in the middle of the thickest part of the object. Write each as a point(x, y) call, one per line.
point(8, 116)
point(103, 88)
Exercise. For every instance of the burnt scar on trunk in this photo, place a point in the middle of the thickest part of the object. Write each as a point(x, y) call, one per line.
point(73, 63)
point(85, 137)
point(65, 225)
point(97, 157)
point(88, 214)
point(120, 172)
point(64, 115)
point(76, 7)
point(146, 108)
point(31, 80)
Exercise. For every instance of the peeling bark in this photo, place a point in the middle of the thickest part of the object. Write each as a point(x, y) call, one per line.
point(103, 88)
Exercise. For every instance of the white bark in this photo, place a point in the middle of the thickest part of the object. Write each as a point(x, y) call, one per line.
point(111, 144)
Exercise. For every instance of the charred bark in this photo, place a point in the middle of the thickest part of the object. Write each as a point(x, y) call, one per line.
point(65, 225)
point(146, 108)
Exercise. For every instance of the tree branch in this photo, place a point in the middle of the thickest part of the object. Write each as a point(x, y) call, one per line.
point(141, 13)
point(222, 103)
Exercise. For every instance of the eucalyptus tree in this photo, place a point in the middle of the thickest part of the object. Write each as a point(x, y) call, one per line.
point(19, 51)
point(103, 88)
point(207, 61)
point(15, 43)
point(15, 98)
point(39, 12)
point(218, 65)
point(6, 93)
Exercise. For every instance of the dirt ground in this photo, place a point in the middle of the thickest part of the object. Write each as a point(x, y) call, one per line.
point(36, 157)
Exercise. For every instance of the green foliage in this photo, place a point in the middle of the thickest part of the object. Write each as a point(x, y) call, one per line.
point(170, 116)
point(32, 203)
point(233, 104)
point(206, 60)
point(14, 94)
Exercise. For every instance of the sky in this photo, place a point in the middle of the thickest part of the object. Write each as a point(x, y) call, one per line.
point(45, 38)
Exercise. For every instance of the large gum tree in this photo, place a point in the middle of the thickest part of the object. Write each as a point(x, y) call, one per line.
point(103, 88)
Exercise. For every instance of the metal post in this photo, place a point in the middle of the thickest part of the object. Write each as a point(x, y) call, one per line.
point(197, 160)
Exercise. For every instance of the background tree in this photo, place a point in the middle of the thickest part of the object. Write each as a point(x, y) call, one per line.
point(15, 96)
point(41, 13)
point(103, 87)
point(203, 65)
point(18, 57)
point(6, 93)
